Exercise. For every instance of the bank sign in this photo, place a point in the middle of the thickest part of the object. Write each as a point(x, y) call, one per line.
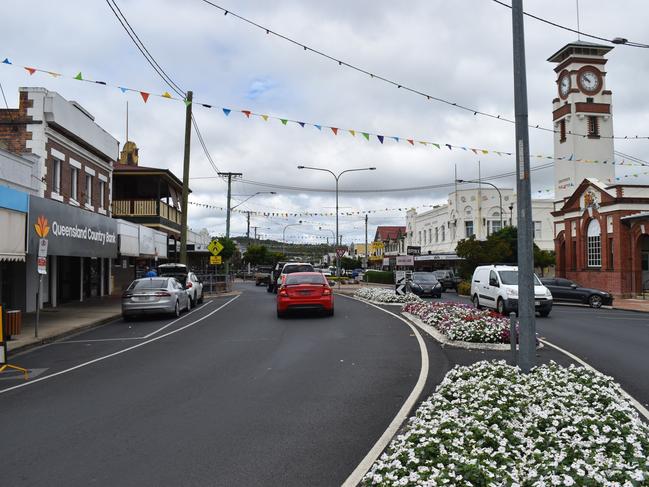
point(70, 230)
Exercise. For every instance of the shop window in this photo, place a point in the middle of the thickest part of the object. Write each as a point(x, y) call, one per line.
point(88, 189)
point(74, 183)
point(594, 245)
point(56, 176)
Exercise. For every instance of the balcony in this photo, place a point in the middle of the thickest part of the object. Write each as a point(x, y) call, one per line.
point(150, 212)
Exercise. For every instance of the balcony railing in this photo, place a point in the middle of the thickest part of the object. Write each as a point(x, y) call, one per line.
point(128, 208)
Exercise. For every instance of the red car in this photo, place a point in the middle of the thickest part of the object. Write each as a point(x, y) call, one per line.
point(305, 290)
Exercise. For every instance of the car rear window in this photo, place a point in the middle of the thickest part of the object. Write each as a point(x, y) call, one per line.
point(290, 269)
point(148, 284)
point(424, 277)
point(305, 279)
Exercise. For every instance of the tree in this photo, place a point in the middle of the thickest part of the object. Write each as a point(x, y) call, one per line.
point(349, 263)
point(256, 255)
point(229, 247)
point(544, 259)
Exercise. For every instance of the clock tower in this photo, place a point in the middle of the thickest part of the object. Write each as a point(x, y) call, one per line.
point(582, 117)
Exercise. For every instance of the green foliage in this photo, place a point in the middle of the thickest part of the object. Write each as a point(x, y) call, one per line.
point(256, 255)
point(350, 264)
point(464, 288)
point(380, 277)
point(229, 247)
point(544, 259)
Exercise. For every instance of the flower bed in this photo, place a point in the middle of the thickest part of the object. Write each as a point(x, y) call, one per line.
point(488, 424)
point(383, 295)
point(462, 322)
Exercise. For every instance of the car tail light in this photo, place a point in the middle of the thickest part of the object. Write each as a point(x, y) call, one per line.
point(162, 293)
point(283, 292)
point(326, 291)
point(127, 295)
point(189, 284)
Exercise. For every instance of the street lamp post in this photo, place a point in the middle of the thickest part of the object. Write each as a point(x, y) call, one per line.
point(337, 177)
point(284, 234)
point(333, 235)
point(500, 196)
point(252, 196)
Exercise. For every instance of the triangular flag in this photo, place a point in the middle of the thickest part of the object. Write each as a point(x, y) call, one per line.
point(101, 83)
point(319, 127)
point(366, 135)
point(464, 148)
point(265, 117)
point(380, 137)
point(53, 74)
point(426, 143)
point(79, 77)
point(6, 61)
point(246, 113)
point(226, 111)
point(302, 124)
point(145, 95)
point(353, 132)
point(166, 95)
point(283, 120)
point(436, 145)
point(485, 151)
point(474, 151)
point(412, 142)
point(206, 106)
point(450, 147)
point(30, 70)
point(187, 102)
point(570, 158)
point(123, 89)
point(334, 130)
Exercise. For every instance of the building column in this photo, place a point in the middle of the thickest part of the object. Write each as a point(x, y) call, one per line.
point(110, 276)
point(102, 267)
point(81, 279)
point(54, 281)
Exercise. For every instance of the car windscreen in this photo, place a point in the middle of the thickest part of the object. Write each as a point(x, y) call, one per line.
point(511, 278)
point(424, 277)
point(305, 279)
point(145, 284)
point(440, 273)
point(290, 269)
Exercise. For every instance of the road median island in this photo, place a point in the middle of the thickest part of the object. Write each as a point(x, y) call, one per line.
point(490, 424)
point(385, 296)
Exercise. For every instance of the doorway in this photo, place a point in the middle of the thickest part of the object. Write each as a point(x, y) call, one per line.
point(644, 261)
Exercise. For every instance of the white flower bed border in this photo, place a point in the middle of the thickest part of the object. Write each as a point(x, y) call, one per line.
point(489, 422)
point(385, 296)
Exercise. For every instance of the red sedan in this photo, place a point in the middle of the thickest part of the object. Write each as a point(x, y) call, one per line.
point(305, 290)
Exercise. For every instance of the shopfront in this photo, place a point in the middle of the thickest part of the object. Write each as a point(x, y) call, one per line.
point(80, 246)
point(13, 215)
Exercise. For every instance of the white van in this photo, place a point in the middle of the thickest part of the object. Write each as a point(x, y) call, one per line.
point(496, 286)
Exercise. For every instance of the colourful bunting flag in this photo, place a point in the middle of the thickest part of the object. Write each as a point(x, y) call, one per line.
point(246, 113)
point(436, 145)
point(412, 142)
point(283, 120)
point(450, 147)
point(334, 130)
point(6, 61)
point(226, 111)
point(166, 95)
point(485, 151)
point(205, 105)
point(380, 137)
point(30, 70)
point(319, 127)
point(301, 124)
point(366, 135)
point(101, 83)
point(396, 139)
point(79, 77)
point(123, 89)
point(353, 132)
point(265, 117)
point(55, 75)
point(144, 95)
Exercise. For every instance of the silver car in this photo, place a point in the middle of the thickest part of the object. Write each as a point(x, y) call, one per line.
point(151, 295)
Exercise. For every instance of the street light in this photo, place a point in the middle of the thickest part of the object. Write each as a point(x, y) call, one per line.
point(252, 196)
point(500, 196)
point(333, 235)
point(337, 177)
point(284, 234)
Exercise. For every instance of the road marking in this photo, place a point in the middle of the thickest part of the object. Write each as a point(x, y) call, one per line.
point(641, 409)
point(367, 462)
point(65, 342)
point(119, 352)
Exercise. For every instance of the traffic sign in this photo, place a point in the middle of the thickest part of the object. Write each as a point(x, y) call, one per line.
point(42, 256)
point(215, 259)
point(340, 251)
point(215, 247)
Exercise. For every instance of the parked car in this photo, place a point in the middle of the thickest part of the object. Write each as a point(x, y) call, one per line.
point(496, 286)
point(274, 275)
point(292, 267)
point(150, 295)
point(358, 274)
point(425, 284)
point(447, 279)
point(570, 291)
point(305, 291)
point(262, 275)
point(190, 281)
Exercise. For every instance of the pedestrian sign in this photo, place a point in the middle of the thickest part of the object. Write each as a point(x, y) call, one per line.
point(215, 259)
point(215, 247)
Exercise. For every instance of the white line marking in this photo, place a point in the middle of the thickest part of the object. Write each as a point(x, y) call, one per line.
point(367, 462)
point(65, 342)
point(641, 409)
point(119, 352)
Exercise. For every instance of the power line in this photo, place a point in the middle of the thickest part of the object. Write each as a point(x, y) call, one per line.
point(616, 40)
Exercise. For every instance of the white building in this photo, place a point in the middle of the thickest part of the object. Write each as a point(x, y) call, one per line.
point(475, 211)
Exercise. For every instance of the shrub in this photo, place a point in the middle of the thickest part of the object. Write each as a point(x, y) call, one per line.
point(379, 277)
point(464, 288)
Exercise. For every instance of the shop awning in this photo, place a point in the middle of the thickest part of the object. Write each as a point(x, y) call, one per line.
point(12, 243)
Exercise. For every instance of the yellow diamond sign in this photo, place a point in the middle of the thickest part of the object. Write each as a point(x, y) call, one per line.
point(215, 247)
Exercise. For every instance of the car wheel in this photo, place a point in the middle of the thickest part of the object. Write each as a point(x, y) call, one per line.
point(500, 307)
point(476, 301)
point(595, 301)
point(127, 317)
point(177, 310)
point(544, 314)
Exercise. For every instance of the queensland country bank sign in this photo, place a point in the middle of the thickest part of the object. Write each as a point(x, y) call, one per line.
point(70, 230)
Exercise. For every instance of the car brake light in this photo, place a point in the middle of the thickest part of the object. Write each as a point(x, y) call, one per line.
point(326, 291)
point(283, 292)
point(189, 284)
point(162, 293)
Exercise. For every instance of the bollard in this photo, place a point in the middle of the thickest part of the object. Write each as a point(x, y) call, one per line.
point(513, 337)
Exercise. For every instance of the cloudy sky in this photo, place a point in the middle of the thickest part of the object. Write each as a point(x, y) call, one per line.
point(457, 50)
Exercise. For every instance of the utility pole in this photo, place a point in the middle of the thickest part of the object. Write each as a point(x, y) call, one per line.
point(255, 228)
point(248, 223)
point(229, 175)
point(526, 311)
point(365, 258)
point(183, 207)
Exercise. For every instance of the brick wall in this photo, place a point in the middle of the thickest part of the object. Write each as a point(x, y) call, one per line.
point(13, 128)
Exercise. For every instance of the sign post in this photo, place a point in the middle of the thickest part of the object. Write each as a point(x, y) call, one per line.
point(42, 270)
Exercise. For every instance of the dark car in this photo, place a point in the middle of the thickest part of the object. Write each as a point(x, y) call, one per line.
point(447, 279)
point(425, 284)
point(274, 275)
point(567, 290)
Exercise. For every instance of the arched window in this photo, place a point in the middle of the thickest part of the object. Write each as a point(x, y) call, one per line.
point(594, 244)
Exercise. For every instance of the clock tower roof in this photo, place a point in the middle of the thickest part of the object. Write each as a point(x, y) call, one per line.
point(579, 48)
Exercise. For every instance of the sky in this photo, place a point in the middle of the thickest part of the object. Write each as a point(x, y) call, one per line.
point(457, 50)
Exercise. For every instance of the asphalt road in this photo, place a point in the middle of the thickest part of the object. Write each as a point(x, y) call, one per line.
point(236, 397)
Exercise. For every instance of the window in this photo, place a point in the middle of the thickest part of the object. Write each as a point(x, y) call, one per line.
point(430, 235)
point(562, 130)
point(102, 192)
point(493, 226)
point(593, 245)
point(593, 126)
point(74, 184)
point(419, 241)
point(492, 277)
point(56, 176)
point(537, 230)
point(424, 237)
point(436, 234)
point(468, 227)
point(610, 253)
point(88, 189)
point(443, 233)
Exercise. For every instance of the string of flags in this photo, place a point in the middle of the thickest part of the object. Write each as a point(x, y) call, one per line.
point(382, 139)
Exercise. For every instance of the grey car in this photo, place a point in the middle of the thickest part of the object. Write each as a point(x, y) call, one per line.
point(151, 295)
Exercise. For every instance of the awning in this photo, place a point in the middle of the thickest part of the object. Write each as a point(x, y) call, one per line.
point(12, 243)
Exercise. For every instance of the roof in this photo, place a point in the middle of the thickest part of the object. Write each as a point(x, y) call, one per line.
point(126, 169)
point(637, 216)
point(389, 232)
point(559, 56)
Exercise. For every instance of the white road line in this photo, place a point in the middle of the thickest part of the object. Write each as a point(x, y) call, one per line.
point(641, 409)
point(119, 352)
point(367, 462)
point(65, 342)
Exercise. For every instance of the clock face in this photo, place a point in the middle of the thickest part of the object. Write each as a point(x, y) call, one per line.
point(564, 85)
point(589, 80)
